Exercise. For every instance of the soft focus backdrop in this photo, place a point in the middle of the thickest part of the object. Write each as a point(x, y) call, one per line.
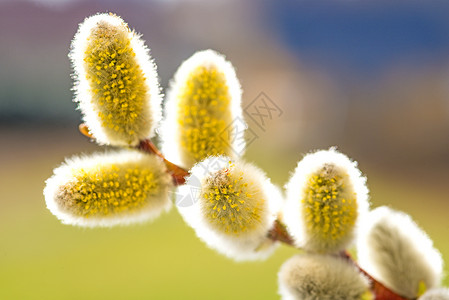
point(371, 77)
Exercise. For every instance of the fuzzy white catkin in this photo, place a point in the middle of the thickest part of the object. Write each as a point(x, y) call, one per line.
point(395, 251)
point(116, 84)
point(233, 208)
point(320, 277)
point(203, 114)
point(107, 189)
point(326, 199)
point(436, 294)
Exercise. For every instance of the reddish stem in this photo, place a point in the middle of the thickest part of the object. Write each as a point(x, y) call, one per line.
point(381, 292)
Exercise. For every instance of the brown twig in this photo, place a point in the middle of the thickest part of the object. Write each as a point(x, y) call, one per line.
point(279, 233)
point(179, 174)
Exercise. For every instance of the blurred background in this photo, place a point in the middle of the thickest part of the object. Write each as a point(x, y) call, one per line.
point(371, 77)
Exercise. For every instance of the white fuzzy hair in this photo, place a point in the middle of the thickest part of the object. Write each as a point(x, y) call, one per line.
point(252, 245)
point(320, 277)
point(436, 294)
point(395, 251)
point(169, 130)
point(65, 173)
point(151, 113)
point(296, 186)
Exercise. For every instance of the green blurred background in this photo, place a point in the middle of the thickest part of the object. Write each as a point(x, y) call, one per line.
point(370, 77)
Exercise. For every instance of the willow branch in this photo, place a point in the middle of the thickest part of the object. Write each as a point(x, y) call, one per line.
point(278, 232)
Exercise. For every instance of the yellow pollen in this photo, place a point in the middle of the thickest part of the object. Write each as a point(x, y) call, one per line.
point(108, 46)
point(329, 213)
point(227, 208)
point(94, 193)
point(202, 119)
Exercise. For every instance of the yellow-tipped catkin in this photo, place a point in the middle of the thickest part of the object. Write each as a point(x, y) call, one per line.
point(109, 189)
point(234, 208)
point(326, 196)
point(116, 83)
point(395, 251)
point(436, 294)
point(203, 111)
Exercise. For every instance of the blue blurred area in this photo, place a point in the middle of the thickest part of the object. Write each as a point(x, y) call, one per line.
point(363, 36)
point(360, 39)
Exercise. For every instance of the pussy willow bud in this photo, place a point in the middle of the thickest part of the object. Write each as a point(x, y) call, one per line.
point(109, 189)
point(436, 294)
point(116, 84)
point(326, 197)
point(314, 276)
point(203, 110)
point(234, 206)
point(395, 251)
